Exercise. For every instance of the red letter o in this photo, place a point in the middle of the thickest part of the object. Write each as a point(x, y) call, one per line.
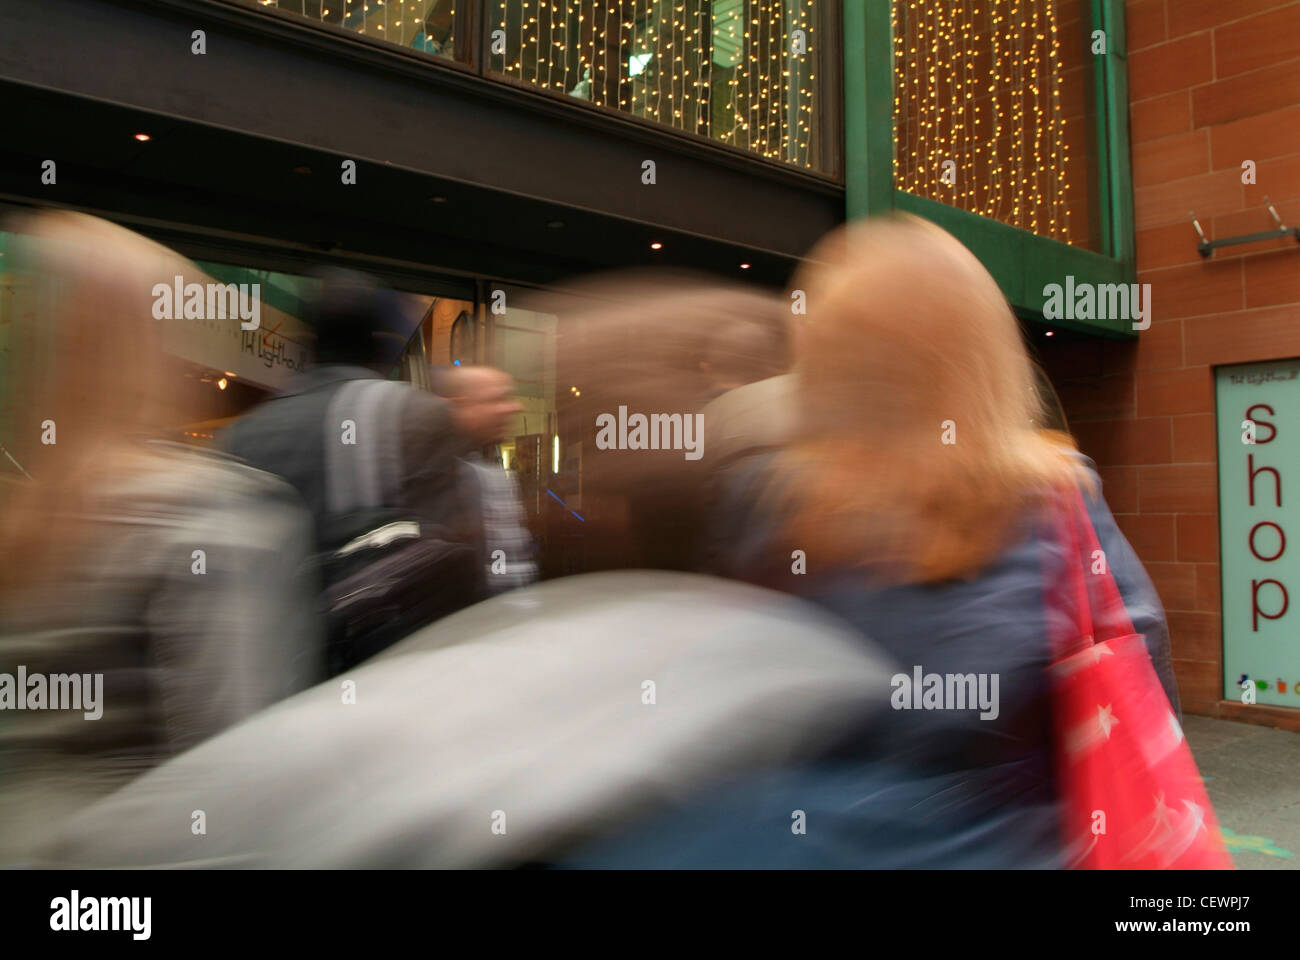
point(1281, 540)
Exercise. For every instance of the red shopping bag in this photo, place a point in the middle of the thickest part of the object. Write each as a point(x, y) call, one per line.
point(1133, 798)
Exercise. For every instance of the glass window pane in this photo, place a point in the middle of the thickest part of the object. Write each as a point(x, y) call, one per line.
point(743, 72)
point(523, 345)
point(995, 113)
point(430, 26)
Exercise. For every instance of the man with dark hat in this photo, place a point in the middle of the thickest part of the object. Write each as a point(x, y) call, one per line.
point(294, 435)
point(377, 462)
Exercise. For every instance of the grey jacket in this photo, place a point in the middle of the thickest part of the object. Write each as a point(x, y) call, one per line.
point(193, 595)
point(286, 436)
point(506, 733)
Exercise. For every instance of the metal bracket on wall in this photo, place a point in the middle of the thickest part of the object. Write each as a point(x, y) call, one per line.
point(1207, 246)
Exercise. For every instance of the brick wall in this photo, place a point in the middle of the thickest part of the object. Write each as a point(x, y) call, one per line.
point(1212, 83)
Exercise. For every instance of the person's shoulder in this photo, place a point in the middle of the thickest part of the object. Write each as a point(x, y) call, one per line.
point(178, 495)
point(1085, 465)
point(418, 397)
point(754, 416)
point(221, 475)
point(1077, 455)
point(422, 408)
point(263, 422)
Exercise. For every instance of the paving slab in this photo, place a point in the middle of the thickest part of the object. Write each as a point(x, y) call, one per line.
point(1252, 774)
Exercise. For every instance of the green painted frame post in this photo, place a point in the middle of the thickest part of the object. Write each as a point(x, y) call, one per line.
point(1114, 165)
point(868, 108)
point(1022, 263)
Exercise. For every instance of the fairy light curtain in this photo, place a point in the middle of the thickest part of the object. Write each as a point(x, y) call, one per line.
point(426, 25)
point(992, 110)
point(738, 71)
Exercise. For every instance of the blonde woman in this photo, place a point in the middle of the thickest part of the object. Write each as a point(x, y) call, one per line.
point(174, 582)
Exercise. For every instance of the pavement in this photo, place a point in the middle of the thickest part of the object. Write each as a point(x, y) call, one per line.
point(1252, 774)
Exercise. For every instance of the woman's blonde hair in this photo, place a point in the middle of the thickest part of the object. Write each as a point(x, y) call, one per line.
point(86, 371)
point(917, 449)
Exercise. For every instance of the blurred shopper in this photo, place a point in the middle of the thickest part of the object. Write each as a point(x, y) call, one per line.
point(483, 406)
point(662, 346)
point(917, 499)
point(376, 461)
point(295, 433)
point(165, 591)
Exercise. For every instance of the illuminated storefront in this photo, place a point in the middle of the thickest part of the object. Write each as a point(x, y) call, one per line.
point(454, 148)
point(451, 148)
point(747, 73)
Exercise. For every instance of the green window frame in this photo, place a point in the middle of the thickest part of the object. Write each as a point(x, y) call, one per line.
point(1021, 262)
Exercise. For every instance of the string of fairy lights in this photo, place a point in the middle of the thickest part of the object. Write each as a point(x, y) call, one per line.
point(696, 65)
point(739, 71)
point(978, 83)
point(403, 22)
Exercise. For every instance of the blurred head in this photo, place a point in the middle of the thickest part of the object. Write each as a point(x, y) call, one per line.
point(661, 343)
point(351, 313)
point(917, 445)
point(665, 343)
point(483, 402)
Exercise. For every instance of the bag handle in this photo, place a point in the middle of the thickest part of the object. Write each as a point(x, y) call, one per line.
point(1107, 618)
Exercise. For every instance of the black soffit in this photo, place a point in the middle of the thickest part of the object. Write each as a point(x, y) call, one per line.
point(191, 174)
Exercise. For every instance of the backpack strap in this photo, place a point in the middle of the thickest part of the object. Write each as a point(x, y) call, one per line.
point(368, 472)
point(351, 475)
point(391, 400)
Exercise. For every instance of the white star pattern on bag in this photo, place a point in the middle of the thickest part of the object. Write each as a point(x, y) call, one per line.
point(1100, 650)
point(1105, 720)
point(1087, 734)
point(1170, 835)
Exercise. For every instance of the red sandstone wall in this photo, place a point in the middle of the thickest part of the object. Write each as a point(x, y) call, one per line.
point(1212, 83)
